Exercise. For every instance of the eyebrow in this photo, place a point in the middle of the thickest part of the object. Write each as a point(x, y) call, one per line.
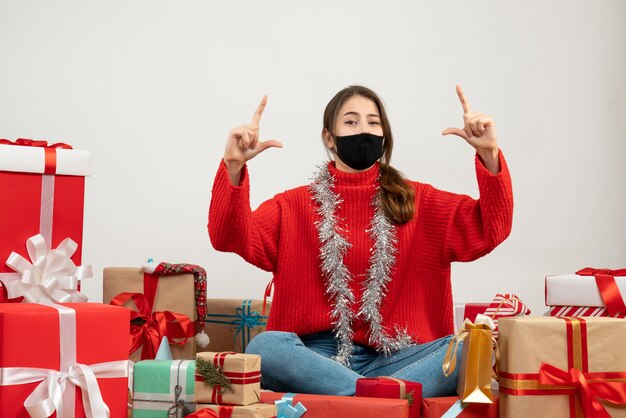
point(357, 114)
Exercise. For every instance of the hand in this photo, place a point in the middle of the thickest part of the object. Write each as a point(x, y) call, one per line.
point(243, 143)
point(479, 131)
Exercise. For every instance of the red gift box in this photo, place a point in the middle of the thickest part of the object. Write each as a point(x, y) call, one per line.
point(387, 387)
point(87, 339)
point(327, 406)
point(463, 311)
point(43, 193)
point(437, 407)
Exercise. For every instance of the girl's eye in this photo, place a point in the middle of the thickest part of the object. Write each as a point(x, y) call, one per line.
point(374, 123)
point(350, 122)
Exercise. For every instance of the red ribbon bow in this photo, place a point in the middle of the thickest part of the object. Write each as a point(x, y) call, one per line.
point(590, 387)
point(605, 280)
point(154, 326)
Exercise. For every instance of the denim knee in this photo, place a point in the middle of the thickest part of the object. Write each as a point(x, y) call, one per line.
point(267, 341)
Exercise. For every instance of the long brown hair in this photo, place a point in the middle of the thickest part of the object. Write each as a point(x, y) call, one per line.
point(397, 197)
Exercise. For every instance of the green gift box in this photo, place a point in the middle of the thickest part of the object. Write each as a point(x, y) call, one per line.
point(163, 388)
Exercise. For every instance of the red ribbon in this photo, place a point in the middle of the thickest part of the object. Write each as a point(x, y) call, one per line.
point(24, 142)
point(605, 280)
point(267, 294)
point(150, 285)
point(50, 166)
point(589, 391)
point(154, 326)
point(235, 378)
point(219, 360)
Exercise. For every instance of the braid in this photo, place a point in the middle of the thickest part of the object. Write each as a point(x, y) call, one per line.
point(397, 197)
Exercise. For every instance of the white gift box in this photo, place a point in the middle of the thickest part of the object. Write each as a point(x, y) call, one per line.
point(576, 290)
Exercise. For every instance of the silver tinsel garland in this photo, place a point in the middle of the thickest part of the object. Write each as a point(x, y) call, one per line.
point(333, 247)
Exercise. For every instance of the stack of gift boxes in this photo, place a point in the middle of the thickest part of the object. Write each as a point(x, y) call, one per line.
point(58, 354)
point(567, 364)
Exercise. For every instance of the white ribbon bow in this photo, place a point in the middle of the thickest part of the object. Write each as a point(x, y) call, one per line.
point(484, 320)
point(50, 276)
point(48, 395)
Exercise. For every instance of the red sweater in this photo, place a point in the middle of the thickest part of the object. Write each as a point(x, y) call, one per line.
point(280, 236)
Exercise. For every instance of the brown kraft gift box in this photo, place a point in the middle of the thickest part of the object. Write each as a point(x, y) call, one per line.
point(552, 367)
point(175, 293)
point(242, 372)
point(232, 323)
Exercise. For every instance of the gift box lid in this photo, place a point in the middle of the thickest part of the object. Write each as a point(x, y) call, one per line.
point(575, 290)
point(32, 159)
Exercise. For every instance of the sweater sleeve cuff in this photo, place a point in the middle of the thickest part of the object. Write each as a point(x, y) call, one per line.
point(481, 170)
point(223, 177)
point(496, 198)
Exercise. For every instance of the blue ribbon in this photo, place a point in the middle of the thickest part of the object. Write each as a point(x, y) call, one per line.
point(454, 410)
point(244, 320)
point(285, 408)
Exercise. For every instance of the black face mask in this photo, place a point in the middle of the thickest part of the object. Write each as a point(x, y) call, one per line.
point(359, 151)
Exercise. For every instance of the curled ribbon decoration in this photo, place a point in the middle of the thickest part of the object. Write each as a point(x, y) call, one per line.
point(605, 280)
point(148, 328)
point(286, 409)
point(588, 388)
point(50, 276)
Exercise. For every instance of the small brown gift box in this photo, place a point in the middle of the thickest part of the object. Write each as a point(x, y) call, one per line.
point(175, 293)
point(256, 410)
point(242, 372)
point(232, 323)
point(562, 367)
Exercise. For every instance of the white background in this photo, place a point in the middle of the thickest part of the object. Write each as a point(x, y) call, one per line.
point(151, 88)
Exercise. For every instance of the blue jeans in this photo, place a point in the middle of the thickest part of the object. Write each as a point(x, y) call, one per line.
point(290, 363)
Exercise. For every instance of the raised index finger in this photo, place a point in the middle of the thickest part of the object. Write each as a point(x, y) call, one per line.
point(256, 118)
point(463, 99)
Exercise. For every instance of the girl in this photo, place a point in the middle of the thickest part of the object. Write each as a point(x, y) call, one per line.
point(361, 256)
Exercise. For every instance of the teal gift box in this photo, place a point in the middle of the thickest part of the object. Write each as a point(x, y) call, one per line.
point(163, 388)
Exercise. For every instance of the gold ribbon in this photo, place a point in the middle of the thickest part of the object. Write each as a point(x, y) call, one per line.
point(399, 382)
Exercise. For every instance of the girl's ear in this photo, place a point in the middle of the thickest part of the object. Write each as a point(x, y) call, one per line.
point(328, 139)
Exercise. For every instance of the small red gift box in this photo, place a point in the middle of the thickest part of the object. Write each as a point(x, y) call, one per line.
point(41, 346)
point(43, 193)
point(388, 387)
point(437, 407)
point(327, 406)
point(469, 311)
